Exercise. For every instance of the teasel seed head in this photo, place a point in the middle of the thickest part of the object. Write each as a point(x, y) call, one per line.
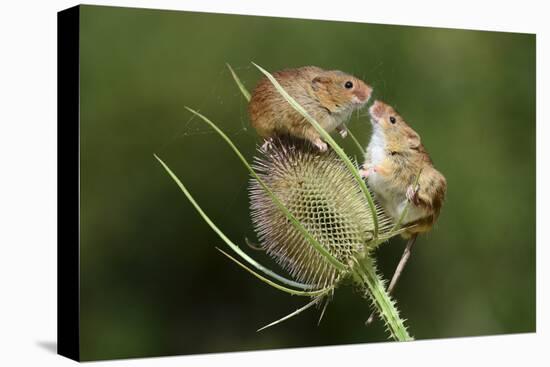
point(321, 193)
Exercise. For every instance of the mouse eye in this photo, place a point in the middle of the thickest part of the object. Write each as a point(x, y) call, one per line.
point(348, 85)
point(392, 119)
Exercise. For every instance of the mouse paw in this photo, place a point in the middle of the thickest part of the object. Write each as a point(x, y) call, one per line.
point(321, 145)
point(412, 194)
point(343, 131)
point(267, 145)
point(365, 171)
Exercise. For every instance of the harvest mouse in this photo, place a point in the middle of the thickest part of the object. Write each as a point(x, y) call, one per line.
point(328, 96)
point(395, 157)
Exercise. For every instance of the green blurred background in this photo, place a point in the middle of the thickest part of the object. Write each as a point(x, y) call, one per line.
point(152, 282)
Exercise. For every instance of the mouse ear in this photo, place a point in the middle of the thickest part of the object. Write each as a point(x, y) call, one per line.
point(319, 82)
point(414, 141)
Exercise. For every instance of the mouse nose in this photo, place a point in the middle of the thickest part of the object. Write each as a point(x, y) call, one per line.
point(377, 109)
point(363, 94)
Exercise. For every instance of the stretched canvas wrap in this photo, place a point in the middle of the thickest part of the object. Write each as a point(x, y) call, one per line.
point(216, 194)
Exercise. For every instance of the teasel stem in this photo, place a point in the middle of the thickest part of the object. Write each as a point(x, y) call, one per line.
point(366, 274)
point(397, 274)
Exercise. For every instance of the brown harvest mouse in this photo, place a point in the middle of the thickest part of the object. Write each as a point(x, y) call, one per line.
point(328, 96)
point(395, 156)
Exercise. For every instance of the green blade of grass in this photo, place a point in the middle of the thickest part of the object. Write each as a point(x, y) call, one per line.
point(326, 136)
point(234, 247)
point(295, 222)
point(241, 86)
point(357, 144)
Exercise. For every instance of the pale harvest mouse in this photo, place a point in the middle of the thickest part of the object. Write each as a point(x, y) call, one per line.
point(395, 155)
